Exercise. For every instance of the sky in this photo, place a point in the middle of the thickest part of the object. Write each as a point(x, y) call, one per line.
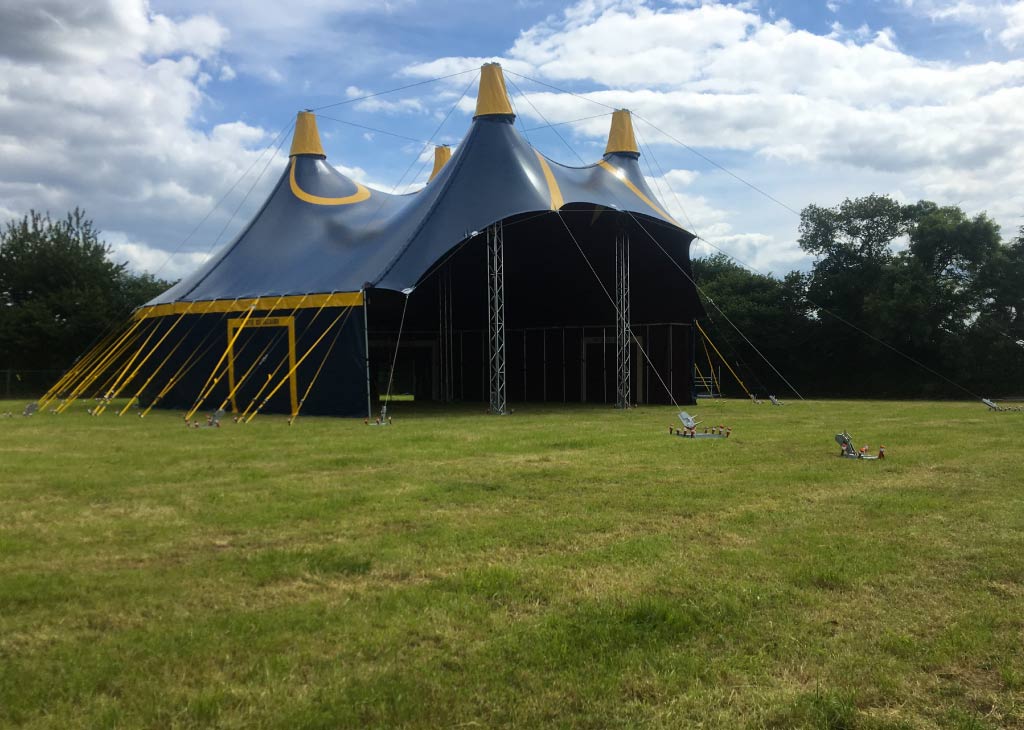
point(168, 121)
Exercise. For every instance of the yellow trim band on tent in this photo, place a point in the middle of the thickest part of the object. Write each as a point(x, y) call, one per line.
point(362, 193)
point(338, 299)
point(557, 201)
point(621, 177)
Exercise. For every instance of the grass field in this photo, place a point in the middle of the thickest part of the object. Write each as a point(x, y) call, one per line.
point(573, 568)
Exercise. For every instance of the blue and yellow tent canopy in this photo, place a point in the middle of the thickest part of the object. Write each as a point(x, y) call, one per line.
point(321, 238)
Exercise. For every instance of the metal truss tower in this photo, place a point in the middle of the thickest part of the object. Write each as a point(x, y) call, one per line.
point(623, 334)
point(496, 316)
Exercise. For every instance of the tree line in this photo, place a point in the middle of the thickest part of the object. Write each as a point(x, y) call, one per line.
point(899, 298)
point(60, 291)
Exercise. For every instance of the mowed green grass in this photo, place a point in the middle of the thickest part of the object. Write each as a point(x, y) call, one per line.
point(560, 567)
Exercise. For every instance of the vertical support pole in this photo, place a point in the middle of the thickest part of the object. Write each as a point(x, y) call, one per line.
point(525, 398)
point(366, 346)
point(496, 317)
point(623, 336)
point(693, 366)
point(447, 336)
point(544, 370)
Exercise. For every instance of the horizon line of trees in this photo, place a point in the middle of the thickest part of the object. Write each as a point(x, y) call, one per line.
point(900, 298)
point(915, 300)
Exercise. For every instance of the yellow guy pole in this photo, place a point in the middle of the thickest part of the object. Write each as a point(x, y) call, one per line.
point(80, 375)
point(290, 354)
point(120, 382)
point(146, 358)
point(205, 393)
point(296, 365)
point(76, 369)
point(180, 373)
point(708, 339)
point(711, 366)
point(115, 351)
point(298, 406)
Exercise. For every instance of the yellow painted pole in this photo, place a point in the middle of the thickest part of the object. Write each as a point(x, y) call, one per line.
point(114, 352)
point(296, 407)
point(296, 365)
point(180, 373)
point(144, 360)
point(727, 365)
point(120, 381)
point(289, 358)
point(76, 369)
point(204, 394)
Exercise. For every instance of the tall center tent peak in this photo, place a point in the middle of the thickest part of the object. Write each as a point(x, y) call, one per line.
point(335, 292)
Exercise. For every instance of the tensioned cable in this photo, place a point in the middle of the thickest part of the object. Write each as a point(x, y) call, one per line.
point(813, 303)
point(648, 158)
point(429, 142)
point(691, 281)
point(724, 315)
point(392, 91)
point(274, 143)
point(571, 121)
point(372, 129)
point(679, 204)
point(677, 141)
point(563, 91)
point(720, 167)
point(518, 116)
point(394, 360)
point(323, 361)
point(534, 106)
point(867, 334)
point(618, 313)
point(247, 194)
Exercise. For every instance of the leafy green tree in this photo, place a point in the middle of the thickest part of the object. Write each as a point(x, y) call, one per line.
point(59, 290)
point(770, 313)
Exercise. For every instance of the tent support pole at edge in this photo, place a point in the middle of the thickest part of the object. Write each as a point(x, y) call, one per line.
point(366, 344)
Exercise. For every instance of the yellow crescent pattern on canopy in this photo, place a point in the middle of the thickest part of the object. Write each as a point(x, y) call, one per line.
point(307, 138)
point(621, 137)
point(557, 201)
point(362, 193)
point(492, 98)
point(620, 176)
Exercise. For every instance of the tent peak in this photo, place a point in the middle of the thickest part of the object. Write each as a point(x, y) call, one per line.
point(442, 153)
point(492, 99)
point(621, 139)
point(306, 140)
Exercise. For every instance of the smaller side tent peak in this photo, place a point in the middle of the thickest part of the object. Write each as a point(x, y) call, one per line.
point(492, 99)
point(442, 153)
point(621, 140)
point(306, 140)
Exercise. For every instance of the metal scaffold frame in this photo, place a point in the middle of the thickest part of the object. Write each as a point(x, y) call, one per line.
point(623, 334)
point(496, 316)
